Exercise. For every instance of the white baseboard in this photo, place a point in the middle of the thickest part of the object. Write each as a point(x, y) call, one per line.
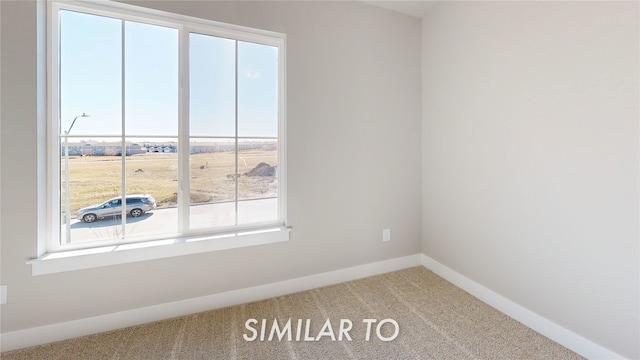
point(67, 330)
point(548, 328)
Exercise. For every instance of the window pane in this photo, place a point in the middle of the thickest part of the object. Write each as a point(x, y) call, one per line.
point(258, 166)
point(151, 80)
point(257, 211)
point(94, 178)
point(90, 73)
point(257, 90)
point(212, 86)
point(258, 185)
point(151, 168)
point(213, 183)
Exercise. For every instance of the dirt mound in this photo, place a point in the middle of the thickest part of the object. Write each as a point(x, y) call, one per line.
point(262, 169)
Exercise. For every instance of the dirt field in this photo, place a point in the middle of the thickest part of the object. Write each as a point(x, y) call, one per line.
point(95, 179)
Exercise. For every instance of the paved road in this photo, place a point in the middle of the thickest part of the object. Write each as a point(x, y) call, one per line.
point(165, 221)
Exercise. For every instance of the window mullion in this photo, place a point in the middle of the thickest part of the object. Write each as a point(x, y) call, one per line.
point(54, 196)
point(236, 176)
point(282, 136)
point(123, 214)
point(184, 183)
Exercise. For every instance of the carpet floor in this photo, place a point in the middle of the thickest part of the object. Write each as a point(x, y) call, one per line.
point(435, 320)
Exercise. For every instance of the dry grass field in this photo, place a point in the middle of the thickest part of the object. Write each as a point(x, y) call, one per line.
point(94, 179)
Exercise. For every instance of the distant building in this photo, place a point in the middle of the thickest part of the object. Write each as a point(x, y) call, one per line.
point(104, 150)
point(111, 149)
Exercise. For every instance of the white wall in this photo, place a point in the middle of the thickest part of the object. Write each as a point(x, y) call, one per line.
point(354, 162)
point(530, 157)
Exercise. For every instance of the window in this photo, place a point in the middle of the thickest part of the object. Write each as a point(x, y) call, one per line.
point(182, 117)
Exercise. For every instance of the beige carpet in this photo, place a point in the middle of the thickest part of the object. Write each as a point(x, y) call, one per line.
point(436, 320)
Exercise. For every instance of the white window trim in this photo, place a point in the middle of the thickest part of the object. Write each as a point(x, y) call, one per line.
point(54, 258)
point(88, 258)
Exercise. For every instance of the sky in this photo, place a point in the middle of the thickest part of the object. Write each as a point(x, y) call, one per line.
point(92, 63)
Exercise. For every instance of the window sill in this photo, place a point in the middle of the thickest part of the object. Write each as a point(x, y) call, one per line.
point(127, 253)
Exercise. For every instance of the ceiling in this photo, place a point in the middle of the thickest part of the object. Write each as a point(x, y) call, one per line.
point(415, 8)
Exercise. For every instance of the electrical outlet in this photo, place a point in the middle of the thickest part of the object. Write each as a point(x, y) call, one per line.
point(386, 235)
point(3, 294)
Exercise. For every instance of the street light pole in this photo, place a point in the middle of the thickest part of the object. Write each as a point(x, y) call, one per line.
point(66, 178)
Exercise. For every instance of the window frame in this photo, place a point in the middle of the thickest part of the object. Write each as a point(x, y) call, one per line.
point(185, 25)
